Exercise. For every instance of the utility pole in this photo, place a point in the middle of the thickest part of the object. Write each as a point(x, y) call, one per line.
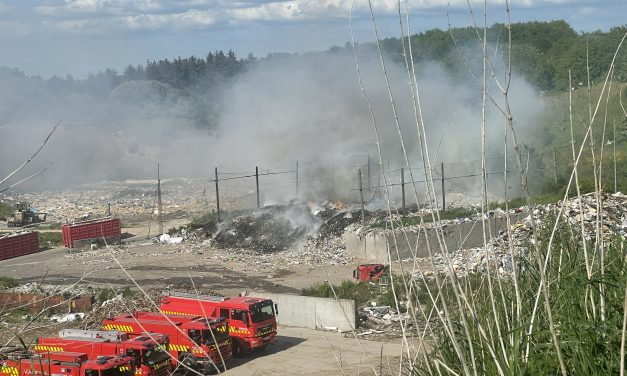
point(297, 177)
point(361, 198)
point(403, 188)
point(217, 197)
point(257, 183)
point(555, 166)
point(369, 185)
point(443, 192)
point(159, 204)
point(614, 152)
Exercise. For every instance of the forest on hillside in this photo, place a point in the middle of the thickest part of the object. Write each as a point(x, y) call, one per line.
point(542, 52)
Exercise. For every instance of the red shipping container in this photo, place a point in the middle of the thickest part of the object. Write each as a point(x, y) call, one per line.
point(93, 229)
point(15, 245)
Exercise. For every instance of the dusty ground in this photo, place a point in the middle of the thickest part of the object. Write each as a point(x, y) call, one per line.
point(310, 352)
point(159, 265)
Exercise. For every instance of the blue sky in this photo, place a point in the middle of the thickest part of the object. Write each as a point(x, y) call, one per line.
point(46, 37)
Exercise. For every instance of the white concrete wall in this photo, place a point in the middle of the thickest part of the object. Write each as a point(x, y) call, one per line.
point(311, 312)
point(373, 247)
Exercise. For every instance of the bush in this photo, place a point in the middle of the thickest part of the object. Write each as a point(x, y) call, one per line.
point(106, 294)
point(5, 211)
point(8, 282)
point(50, 239)
point(359, 292)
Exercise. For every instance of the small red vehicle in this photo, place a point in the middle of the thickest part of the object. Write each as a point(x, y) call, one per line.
point(370, 272)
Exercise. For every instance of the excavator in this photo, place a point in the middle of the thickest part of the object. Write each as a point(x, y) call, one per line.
point(25, 215)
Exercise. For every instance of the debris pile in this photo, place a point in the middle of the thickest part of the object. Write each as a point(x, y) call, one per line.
point(269, 229)
point(612, 221)
point(381, 321)
point(129, 199)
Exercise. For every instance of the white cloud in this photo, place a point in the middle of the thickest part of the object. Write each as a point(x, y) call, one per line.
point(191, 18)
point(169, 14)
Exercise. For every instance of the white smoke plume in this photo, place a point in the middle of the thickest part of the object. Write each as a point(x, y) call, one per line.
point(287, 108)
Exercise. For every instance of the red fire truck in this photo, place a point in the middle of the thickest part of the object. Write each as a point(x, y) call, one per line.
point(199, 344)
point(148, 349)
point(21, 363)
point(252, 321)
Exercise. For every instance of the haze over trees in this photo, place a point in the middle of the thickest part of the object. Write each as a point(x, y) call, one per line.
point(542, 53)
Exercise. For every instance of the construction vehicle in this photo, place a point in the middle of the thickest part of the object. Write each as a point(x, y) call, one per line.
point(25, 215)
point(375, 274)
point(252, 321)
point(195, 343)
point(148, 349)
point(17, 362)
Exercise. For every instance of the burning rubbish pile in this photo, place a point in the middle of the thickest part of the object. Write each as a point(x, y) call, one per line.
point(281, 227)
point(269, 229)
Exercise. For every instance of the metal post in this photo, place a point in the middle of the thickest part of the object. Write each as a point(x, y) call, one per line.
point(217, 197)
point(297, 177)
point(159, 205)
point(361, 198)
point(108, 209)
point(443, 191)
point(257, 183)
point(554, 165)
point(614, 152)
point(403, 189)
point(369, 185)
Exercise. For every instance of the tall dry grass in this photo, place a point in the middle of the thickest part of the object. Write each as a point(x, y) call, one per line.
point(561, 310)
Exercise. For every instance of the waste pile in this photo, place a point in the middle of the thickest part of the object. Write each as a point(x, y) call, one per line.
point(268, 229)
point(381, 321)
point(611, 221)
point(128, 199)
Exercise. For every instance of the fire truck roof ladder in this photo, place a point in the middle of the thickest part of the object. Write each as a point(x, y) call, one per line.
point(213, 298)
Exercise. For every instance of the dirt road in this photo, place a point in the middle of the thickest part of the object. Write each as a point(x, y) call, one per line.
point(310, 352)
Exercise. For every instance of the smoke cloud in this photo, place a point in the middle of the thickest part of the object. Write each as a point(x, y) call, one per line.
point(287, 108)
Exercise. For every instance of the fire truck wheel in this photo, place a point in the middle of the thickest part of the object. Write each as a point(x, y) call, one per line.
point(237, 350)
point(211, 369)
point(189, 361)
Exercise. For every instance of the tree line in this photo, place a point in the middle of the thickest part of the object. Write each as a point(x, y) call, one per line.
point(542, 52)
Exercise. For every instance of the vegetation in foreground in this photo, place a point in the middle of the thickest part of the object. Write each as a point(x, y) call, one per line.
point(587, 312)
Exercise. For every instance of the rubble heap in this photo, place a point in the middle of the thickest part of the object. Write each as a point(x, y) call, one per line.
point(612, 220)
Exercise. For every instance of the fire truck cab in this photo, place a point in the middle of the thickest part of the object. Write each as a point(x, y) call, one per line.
point(148, 349)
point(252, 321)
point(64, 363)
point(194, 342)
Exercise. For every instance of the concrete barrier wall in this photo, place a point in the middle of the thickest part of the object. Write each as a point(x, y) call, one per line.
point(311, 312)
point(374, 246)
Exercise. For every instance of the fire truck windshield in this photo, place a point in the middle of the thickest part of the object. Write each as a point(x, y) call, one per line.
point(219, 335)
point(154, 356)
point(261, 311)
